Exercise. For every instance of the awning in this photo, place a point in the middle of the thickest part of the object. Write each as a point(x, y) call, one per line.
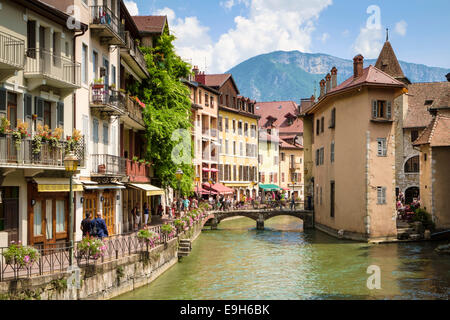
point(219, 188)
point(148, 188)
point(200, 190)
point(286, 189)
point(269, 187)
point(90, 186)
point(57, 185)
point(205, 169)
point(214, 170)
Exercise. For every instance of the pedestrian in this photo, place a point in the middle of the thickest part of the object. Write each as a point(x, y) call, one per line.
point(146, 213)
point(186, 205)
point(101, 231)
point(292, 202)
point(137, 216)
point(160, 210)
point(87, 225)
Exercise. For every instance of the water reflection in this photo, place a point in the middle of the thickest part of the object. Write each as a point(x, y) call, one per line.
point(284, 262)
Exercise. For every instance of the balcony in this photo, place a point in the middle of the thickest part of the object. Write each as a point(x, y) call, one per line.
point(138, 172)
point(25, 154)
point(45, 68)
point(106, 25)
point(107, 101)
point(12, 53)
point(134, 57)
point(294, 166)
point(106, 165)
point(134, 116)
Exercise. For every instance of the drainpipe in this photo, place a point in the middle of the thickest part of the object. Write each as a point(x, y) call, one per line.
point(74, 118)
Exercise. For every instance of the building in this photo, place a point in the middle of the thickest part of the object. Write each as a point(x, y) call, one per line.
point(205, 134)
point(238, 140)
point(268, 161)
point(39, 75)
point(350, 140)
point(281, 117)
point(434, 146)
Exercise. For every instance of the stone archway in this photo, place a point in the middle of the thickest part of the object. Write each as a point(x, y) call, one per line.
point(411, 193)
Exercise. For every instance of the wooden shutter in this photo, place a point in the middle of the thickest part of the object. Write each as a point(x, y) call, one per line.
point(383, 195)
point(105, 134)
point(95, 130)
point(39, 108)
point(60, 113)
point(374, 109)
point(388, 109)
point(384, 150)
point(2, 100)
point(27, 100)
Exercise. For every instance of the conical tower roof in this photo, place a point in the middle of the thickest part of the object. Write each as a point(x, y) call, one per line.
point(387, 62)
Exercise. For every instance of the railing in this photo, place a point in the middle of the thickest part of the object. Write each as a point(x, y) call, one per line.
point(135, 52)
point(42, 62)
point(102, 96)
point(26, 152)
point(137, 172)
point(102, 15)
point(134, 110)
point(108, 165)
point(12, 50)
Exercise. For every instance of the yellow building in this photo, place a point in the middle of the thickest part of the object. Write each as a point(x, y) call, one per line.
point(238, 140)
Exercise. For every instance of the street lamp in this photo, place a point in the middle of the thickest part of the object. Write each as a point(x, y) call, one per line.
point(197, 180)
point(71, 165)
point(179, 175)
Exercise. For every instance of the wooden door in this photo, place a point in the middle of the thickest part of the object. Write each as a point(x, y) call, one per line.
point(109, 214)
point(11, 219)
point(90, 204)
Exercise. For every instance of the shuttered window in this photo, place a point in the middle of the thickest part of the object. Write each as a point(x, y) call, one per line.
point(388, 110)
point(31, 39)
point(374, 109)
point(95, 130)
point(105, 134)
point(381, 195)
point(39, 108)
point(2, 100)
point(27, 102)
point(381, 147)
point(60, 113)
point(332, 152)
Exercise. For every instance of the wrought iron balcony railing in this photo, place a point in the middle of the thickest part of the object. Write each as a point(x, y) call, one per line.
point(113, 29)
point(133, 49)
point(12, 51)
point(27, 153)
point(61, 71)
point(108, 165)
point(134, 110)
point(107, 99)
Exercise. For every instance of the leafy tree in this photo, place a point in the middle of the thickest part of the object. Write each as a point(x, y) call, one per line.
point(168, 108)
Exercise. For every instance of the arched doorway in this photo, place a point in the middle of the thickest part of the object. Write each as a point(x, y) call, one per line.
point(411, 194)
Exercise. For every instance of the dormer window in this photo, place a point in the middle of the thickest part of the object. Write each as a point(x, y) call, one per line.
point(381, 110)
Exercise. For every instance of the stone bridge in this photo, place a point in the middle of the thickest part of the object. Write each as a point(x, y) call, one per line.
point(262, 215)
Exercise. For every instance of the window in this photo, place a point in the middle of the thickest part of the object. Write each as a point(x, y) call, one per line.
point(95, 64)
point(31, 39)
point(381, 147)
point(317, 156)
point(95, 130)
point(240, 128)
point(219, 125)
point(282, 156)
point(381, 109)
point(282, 177)
point(322, 121)
point(246, 129)
point(234, 126)
point(60, 114)
point(333, 118)
point(113, 73)
point(414, 135)
point(105, 134)
point(381, 195)
point(206, 100)
point(332, 191)
point(253, 131)
point(317, 126)
point(424, 157)
point(84, 64)
point(321, 156)
point(60, 216)
point(234, 148)
point(412, 165)
point(332, 152)
point(226, 146)
point(227, 102)
point(226, 125)
point(241, 149)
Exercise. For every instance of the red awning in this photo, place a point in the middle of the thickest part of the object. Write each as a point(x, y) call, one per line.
point(214, 170)
point(205, 169)
point(219, 188)
point(286, 189)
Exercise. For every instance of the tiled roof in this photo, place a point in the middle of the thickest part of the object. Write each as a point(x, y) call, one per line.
point(387, 62)
point(152, 24)
point(278, 110)
point(264, 136)
point(435, 93)
point(437, 134)
point(286, 145)
point(216, 80)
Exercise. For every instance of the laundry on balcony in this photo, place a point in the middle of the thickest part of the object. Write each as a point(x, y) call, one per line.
point(149, 189)
point(57, 185)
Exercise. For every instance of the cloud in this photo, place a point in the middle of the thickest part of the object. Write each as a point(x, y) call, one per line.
point(400, 28)
point(369, 42)
point(132, 7)
point(325, 36)
point(270, 25)
point(231, 3)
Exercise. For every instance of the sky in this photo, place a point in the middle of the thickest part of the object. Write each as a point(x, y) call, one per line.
point(216, 35)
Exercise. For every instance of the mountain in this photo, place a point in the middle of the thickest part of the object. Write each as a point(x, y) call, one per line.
point(282, 75)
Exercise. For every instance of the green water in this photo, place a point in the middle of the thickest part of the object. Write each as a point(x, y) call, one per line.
point(283, 262)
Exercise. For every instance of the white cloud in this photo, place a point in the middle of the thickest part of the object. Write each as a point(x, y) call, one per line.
point(400, 28)
point(132, 7)
point(270, 25)
point(325, 36)
point(369, 42)
point(231, 3)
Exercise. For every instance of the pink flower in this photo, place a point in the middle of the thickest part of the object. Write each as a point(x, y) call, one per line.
point(26, 259)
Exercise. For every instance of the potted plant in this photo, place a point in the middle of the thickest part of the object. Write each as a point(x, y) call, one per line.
point(168, 230)
point(179, 224)
point(98, 84)
point(135, 159)
point(92, 248)
point(4, 126)
point(148, 236)
point(20, 134)
point(19, 255)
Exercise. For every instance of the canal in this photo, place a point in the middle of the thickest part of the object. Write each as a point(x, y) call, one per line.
point(284, 262)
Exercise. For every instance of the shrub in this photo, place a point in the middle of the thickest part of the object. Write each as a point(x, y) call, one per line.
point(91, 247)
point(148, 236)
point(24, 256)
point(166, 228)
point(179, 224)
point(424, 217)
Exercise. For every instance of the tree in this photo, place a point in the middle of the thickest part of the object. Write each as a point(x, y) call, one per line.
point(168, 108)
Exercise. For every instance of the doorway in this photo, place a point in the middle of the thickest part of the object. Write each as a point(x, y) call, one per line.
point(411, 194)
point(109, 212)
point(9, 212)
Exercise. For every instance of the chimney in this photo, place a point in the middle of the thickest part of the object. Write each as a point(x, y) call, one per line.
point(313, 99)
point(322, 88)
point(200, 78)
point(328, 78)
point(333, 78)
point(448, 77)
point(195, 70)
point(358, 63)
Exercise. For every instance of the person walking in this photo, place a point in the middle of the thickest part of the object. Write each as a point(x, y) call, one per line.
point(146, 213)
point(100, 226)
point(87, 226)
point(137, 216)
point(292, 202)
point(186, 205)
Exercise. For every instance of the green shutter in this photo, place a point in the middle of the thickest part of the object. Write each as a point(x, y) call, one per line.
point(39, 107)
point(60, 113)
point(2, 99)
point(388, 109)
point(28, 105)
point(374, 109)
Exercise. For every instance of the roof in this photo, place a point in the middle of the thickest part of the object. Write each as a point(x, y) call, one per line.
point(387, 62)
point(264, 136)
point(371, 76)
point(279, 110)
point(437, 133)
point(286, 145)
point(218, 80)
point(150, 24)
point(434, 93)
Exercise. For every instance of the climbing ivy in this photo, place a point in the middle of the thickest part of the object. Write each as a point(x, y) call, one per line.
point(168, 108)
